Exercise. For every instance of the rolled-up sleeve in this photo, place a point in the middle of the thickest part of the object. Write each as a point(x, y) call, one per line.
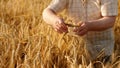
point(109, 7)
point(58, 5)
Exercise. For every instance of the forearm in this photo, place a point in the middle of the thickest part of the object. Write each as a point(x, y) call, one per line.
point(55, 21)
point(49, 16)
point(101, 24)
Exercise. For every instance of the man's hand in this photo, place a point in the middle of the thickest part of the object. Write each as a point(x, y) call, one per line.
point(95, 25)
point(59, 25)
point(56, 22)
point(82, 29)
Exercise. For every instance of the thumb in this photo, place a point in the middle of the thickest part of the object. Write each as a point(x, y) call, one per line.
point(79, 23)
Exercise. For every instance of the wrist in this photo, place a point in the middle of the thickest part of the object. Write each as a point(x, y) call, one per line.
point(89, 25)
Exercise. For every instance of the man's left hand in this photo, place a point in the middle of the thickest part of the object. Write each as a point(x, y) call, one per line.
point(82, 30)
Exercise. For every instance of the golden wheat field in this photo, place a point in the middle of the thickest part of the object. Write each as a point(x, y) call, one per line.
point(26, 41)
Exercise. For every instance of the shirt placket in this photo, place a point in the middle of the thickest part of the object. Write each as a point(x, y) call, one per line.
point(84, 5)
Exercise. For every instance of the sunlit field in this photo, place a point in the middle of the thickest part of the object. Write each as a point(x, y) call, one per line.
point(26, 41)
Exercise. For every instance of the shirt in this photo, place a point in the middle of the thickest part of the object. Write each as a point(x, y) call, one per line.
point(86, 10)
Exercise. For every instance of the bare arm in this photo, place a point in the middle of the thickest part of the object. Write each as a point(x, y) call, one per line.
point(56, 22)
point(101, 24)
point(96, 25)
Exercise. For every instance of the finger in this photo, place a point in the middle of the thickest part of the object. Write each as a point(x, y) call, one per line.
point(80, 28)
point(59, 27)
point(80, 23)
point(81, 33)
point(76, 29)
point(59, 31)
point(62, 27)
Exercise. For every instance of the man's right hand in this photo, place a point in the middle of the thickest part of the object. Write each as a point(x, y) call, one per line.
point(59, 25)
point(56, 22)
